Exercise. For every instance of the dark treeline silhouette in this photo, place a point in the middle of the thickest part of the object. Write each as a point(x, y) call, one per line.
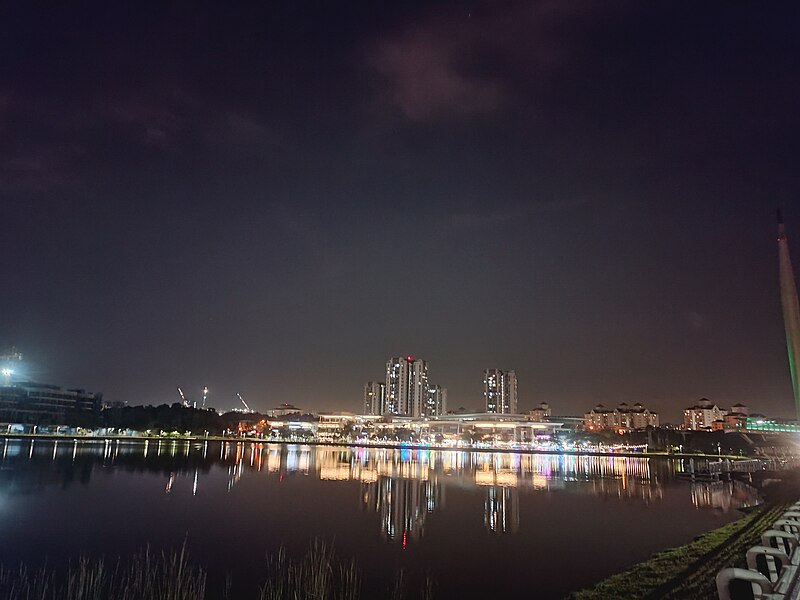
point(164, 417)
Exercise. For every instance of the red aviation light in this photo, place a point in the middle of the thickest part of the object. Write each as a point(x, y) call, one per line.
point(410, 358)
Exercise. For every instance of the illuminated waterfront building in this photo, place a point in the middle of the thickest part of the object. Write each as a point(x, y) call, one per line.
point(283, 410)
point(43, 404)
point(736, 419)
point(10, 361)
point(599, 417)
point(622, 417)
point(31, 403)
point(406, 390)
point(636, 416)
point(330, 426)
point(703, 415)
point(500, 391)
point(374, 398)
point(541, 413)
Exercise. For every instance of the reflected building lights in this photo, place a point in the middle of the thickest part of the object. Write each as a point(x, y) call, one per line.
point(723, 495)
point(402, 505)
point(401, 487)
point(501, 510)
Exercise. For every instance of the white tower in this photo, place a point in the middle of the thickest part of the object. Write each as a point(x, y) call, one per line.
point(791, 311)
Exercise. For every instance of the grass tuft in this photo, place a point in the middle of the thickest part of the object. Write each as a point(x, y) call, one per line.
point(167, 576)
point(318, 575)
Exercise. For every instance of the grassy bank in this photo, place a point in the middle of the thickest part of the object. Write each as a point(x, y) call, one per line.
point(688, 572)
point(318, 575)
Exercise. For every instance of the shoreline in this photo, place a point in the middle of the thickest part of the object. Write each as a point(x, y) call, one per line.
point(414, 447)
point(688, 572)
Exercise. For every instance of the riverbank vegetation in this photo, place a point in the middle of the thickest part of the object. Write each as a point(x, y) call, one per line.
point(687, 572)
point(318, 575)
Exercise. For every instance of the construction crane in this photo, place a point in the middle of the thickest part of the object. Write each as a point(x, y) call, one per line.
point(183, 398)
point(243, 402)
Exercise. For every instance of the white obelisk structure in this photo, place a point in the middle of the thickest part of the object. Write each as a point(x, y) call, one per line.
point(791, 311)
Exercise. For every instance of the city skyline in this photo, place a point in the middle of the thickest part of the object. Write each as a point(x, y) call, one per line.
point(268, 199)
point(414, 396)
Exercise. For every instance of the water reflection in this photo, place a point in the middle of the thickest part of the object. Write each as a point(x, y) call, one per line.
point(501, 510)
point(723, 495)
point(402, 505)
point(401, 487)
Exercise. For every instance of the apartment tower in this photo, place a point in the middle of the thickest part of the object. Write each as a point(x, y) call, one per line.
point(500, 391)
point(406, 386)
point(374, 398)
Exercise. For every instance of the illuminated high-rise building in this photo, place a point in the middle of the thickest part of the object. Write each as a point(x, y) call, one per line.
point(500, 391)
point(406, 386)
point(791, 311)
point(374, 398)
point(436, 402)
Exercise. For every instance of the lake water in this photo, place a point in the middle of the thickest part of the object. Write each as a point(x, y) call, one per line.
point(480, 524)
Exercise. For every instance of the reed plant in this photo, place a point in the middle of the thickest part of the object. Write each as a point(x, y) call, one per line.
point(318, 575)
point(145, 576)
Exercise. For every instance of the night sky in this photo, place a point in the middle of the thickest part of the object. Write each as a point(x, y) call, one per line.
point(274, 199)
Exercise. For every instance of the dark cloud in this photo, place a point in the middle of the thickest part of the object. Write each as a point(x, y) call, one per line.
point(424, 79)
point(464, 61)
point(50, 144)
